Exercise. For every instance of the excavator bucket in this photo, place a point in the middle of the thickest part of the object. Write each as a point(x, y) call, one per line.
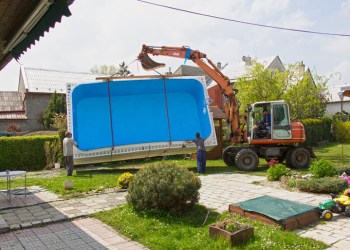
point(148, 64)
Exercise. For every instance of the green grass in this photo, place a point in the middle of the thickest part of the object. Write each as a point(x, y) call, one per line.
point(168, 230)
point(84, 181)
point(105, 175)
point(338, 154)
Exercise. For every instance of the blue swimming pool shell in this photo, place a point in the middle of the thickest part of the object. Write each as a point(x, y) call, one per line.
point(129, 112)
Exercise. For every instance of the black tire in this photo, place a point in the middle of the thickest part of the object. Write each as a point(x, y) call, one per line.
point(247, 160)
point(229, 156)
point(347, 211)
point(298, 158)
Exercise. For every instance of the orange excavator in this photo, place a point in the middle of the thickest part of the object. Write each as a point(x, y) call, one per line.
point(264, 131)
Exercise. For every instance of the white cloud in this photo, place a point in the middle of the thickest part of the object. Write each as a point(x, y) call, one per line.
point(295, 20)
point(345, 8)
point(337, 45)
point(341, 72)
point(267, 6)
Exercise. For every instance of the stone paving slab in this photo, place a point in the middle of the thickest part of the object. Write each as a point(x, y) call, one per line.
point(220, 190)
point(35, 195)
point(82, 234)
point(31, 216)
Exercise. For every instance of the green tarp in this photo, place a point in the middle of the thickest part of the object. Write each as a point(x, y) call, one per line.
point(275, 208)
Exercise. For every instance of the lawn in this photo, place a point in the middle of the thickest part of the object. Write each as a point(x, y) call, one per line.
point(337, 153)
point(169, 230)
point(87, 179)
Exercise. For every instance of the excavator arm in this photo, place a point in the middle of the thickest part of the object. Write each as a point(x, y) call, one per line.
point(231, 106)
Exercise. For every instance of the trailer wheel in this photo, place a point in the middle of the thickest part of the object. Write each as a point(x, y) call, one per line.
point(247, 160)
point(327, 215)
point(347, 211)
point(229, 156)
point(298, 158)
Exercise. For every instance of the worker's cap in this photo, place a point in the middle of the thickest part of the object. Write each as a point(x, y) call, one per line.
point(68, 133)
point(265, 110)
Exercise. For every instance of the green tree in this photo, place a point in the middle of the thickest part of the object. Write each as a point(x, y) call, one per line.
point(57, 105)
point(306, 93)
point(260, 84)
point(121, 70)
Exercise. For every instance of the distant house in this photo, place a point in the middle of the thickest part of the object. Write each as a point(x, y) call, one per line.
point(25, 107)
point(336, 103)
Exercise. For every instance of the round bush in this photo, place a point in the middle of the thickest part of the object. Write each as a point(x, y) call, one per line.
point(275, 172)
point(124, 180)
point(322, 168)
point(164, 186)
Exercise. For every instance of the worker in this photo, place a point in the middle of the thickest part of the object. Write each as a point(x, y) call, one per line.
point(201, 153)
point(266, 119)
point(68, 143)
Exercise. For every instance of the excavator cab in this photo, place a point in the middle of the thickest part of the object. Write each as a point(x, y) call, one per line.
point(269, 121)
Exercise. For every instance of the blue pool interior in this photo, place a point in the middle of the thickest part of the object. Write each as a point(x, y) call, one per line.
point(117, 113)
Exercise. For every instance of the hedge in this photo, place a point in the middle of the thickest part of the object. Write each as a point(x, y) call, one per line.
point(24, 152)
point(317, 130)
point(342, 131)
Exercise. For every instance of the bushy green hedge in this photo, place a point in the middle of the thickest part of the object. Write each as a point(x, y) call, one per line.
point(342, 131)
point(317, 130)
point(23, 152)
point(324, 185)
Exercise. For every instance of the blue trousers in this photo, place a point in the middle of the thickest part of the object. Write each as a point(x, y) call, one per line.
point(201, 161)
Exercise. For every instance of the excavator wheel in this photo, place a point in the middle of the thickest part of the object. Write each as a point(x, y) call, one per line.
point(247, 160)
point(229, 156)
point(298, 158)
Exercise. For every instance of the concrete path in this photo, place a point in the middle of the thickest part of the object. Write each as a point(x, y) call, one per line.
point(62, 210)
point(84, 234)
point(220, 190)
point(217, 192)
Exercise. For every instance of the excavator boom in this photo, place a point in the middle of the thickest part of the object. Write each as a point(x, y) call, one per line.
point(208, 67)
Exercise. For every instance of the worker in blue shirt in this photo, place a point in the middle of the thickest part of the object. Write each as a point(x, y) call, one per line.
point(267, 119)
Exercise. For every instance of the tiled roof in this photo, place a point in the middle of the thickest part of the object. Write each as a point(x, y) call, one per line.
point(11, 101)
point(186, 70)
point(13, 115)
point(334, 92)
point(49, 81)
point(217, 113)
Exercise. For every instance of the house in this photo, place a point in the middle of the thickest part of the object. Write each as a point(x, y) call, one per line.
point(26, 106)
point(338, 102)
point(24, 22)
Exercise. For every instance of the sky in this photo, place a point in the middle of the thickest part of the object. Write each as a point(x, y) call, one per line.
point(112, 31)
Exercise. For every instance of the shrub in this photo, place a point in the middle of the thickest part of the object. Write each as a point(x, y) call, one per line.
point(275, 172)
point(124, 180)
point(322, 168)
point(164, 186)
point(342, 131)
point(317, 130)
point(322, 185)
point(23, 152)
point(13, 128)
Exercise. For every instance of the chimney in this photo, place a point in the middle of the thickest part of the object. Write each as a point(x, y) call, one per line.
point(218, 65)
point(302, 68)
point(247, 60)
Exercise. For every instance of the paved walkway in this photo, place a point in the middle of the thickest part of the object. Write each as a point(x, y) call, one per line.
point(84, 234)
point(220, 190)
point(217, 192)
point(61, 210)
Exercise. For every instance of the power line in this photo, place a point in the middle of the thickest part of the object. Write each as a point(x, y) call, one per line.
point(243, 22)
